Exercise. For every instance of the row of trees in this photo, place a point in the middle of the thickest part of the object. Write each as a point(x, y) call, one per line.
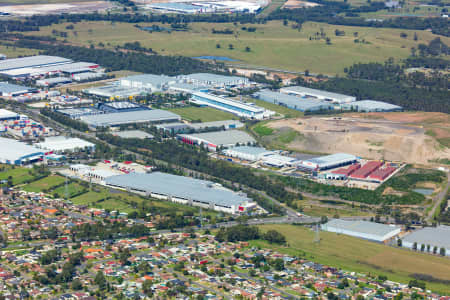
point(246, 233)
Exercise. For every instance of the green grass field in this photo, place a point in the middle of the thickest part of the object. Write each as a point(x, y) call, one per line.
point(13, 52)
point(19, 175)
point(359, 255)
point(44, 184)
point(204, 114)
point(272, 44)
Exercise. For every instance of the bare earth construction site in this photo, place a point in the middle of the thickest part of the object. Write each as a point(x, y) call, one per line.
point(408, 137)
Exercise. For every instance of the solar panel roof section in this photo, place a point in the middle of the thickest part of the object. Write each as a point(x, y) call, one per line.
point(431, 235)
point(362, 227)
point(129, 117)
point(32, 61)
point(179, 186)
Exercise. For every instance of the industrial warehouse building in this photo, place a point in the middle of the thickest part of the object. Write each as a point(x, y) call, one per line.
point(225, 124)
point(130, 117)
point(61, 144)
point(37, 61)
point(362, 229)
point(16, 153)
point(327, 162)
point(149, 82)
point(133, 134)
point(215, 139)
point(184, 190)
point(266, 157)
point(114, 92)
point(54, 81)
point(292, 102)
point(7, 115)
point(14, 90)
point(247, 152)
point(214, 80)
point(372, 106)
point(434, 236)
point(238, 108)
point(318, 94)
point(120, 106)
point(76, 113)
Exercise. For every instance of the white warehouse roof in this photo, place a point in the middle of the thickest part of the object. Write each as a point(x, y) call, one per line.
point(32, 61)
point(304, 91)
point(372, 105)
point(7, 114)
point(61, 143)
point(362, 229)
point(220, 138)
point(12, 151)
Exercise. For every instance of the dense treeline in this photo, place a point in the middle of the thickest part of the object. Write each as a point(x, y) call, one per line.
point(350, 194)
point(407, 181)
point(246, 233)
point(139, 62)
point(193, 158)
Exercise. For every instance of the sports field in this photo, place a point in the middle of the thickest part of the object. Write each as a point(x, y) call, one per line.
point(204, 114)
point(359, 255)
point(272, 44)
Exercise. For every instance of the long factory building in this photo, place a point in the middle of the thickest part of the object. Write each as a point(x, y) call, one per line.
point(317, 94)
point(238, 108)
point(327, 162)
point(215, 139)
point(434, 236)
point(183, 190)
point(362, 229)
point(13, 152)
point(130, 117)
point(293, 102)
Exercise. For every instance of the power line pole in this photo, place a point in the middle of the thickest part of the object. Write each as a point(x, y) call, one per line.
point(317, 234)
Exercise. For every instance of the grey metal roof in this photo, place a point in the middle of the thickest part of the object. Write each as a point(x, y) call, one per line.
point(13, 150)
point(434, 236)
point(251, 150)
point(12, 88)
point(362, 227)
point(217, 79)
point(31, 61)
point(372, 105)
point(293, 102)
point(114, 91)
point(225, 123)
point(150, 78)
point(129, 117)
point(178, 186)
point(121, 104)
point(134, 134)
point(337, 157)
point(318, 93)
point(225, 138)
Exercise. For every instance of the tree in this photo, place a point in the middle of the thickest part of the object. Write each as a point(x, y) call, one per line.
point(442, 251)
point(147, 287)
point(247, 49)
point(422, 247)
point(399, 242)
point(435, 248)
point(218, 46)
point(274, 237)
point(77, 285)
point(414, 247)
point(100, 280)
point(415, 36)
point(230, 46)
